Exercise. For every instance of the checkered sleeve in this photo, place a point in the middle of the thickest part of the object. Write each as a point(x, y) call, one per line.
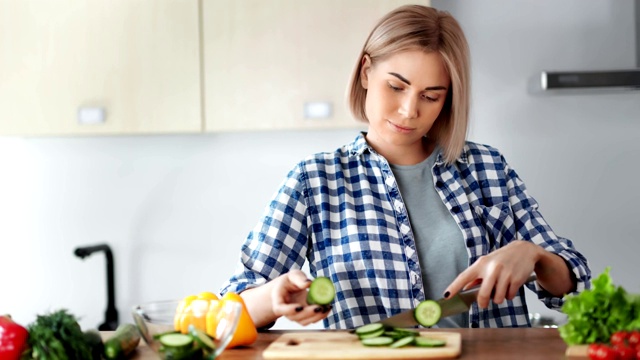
point(530, 225)
point(278, 242)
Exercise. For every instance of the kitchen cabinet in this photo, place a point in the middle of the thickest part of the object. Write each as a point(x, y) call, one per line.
point(133, 63)
point(264, 60)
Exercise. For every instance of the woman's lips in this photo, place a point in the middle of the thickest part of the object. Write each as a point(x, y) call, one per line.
point(400, 129)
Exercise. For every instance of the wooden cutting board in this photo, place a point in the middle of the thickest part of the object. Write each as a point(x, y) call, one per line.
point(343, 345)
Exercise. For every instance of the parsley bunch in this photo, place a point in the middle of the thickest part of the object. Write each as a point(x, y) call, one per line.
point(58, 336)
point(595, 314)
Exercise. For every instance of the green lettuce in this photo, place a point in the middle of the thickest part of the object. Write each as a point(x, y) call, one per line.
point(594, 314)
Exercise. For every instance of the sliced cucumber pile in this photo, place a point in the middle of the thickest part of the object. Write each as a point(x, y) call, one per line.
point(379, 335)
point(191, 346)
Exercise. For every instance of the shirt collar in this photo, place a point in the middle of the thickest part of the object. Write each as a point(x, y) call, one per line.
point(360, 146)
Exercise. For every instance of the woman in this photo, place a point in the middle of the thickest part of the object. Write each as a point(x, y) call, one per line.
point(409, 210)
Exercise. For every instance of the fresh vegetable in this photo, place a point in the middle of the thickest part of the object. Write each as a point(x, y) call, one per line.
point(369, 328)
point(57, 336)
point(194, 345)
point(202, 312)
point(193, 310)
point(321, 291)
point(377, 334)
point(427, 313)
point(246, 332)
point(623, 345)
point(123, 342)
point(595, 314)
point(428, 342)
point(13, 338)
point(94, 340)
point(407, 340)
point(377, 341)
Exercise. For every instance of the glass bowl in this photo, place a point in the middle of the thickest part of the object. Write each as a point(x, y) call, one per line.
point(156, 319)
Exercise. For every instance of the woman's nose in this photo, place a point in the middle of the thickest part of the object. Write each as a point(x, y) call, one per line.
point(408, 107)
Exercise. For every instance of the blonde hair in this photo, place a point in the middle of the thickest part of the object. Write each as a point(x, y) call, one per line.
point(413, 27)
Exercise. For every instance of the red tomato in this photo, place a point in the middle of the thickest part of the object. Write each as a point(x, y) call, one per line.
point(606, 352)
point(625, 352)
point(592, 349)
point(634, 339)
point(619, 338)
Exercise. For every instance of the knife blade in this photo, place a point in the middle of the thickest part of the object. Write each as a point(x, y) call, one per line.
point(457, 304)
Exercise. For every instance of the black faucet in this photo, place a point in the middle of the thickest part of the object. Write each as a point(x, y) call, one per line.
point(111, 315)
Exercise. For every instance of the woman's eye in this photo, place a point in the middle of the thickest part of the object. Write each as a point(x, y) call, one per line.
point(429, 99)
point(394, 88)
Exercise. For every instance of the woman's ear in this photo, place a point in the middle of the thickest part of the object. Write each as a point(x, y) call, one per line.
point(364, 71)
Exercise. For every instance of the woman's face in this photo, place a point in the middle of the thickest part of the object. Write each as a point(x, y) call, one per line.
point(405, 94)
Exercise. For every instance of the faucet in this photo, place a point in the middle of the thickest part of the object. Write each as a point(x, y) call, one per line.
point(111, 314)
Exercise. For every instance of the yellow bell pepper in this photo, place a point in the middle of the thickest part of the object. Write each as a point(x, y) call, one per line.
point(192, 310)
point(202, 311)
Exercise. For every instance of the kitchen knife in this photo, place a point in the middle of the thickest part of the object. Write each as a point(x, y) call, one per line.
point(457, 304)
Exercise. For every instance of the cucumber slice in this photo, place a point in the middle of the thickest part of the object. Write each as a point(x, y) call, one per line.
point(202, 339)
point(371, 334)
point(427, 313)
point(429, 342)
point(321, 291)
point(377, 341)
point(369, 328)
point(176, 341)
point(403, 342)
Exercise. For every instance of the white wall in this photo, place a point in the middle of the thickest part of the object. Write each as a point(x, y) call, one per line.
point(175, 209)
point(576, 152)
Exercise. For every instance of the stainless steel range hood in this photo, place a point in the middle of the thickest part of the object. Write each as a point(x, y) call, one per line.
point(606, 79)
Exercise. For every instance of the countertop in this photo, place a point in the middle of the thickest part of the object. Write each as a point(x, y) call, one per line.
point(507, 343)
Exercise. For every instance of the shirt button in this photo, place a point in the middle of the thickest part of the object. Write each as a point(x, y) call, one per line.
point(439, 184)
point(456, 209)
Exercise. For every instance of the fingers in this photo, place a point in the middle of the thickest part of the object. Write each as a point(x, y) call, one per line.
point(309, 314)
point(288, 299)
point(460, 282)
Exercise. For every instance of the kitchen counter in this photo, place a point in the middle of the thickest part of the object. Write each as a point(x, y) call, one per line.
point(520, 343)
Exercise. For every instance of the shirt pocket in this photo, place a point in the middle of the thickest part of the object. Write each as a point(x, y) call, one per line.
point(498, 223)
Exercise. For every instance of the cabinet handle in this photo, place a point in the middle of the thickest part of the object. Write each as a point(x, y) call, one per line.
point(89, 115)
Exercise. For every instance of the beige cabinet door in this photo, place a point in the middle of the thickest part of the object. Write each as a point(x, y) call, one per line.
point(266, 61)
point(71, 67)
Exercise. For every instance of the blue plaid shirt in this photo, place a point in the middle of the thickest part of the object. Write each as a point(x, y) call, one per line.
point(343, 213)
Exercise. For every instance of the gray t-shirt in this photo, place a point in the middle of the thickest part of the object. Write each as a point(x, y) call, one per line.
point(439, 241)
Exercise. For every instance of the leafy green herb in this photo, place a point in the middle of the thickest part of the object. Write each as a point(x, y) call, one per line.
point(595, 314)
point(58, 336)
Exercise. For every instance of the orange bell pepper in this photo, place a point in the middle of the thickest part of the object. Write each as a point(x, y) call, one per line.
point(246, 332)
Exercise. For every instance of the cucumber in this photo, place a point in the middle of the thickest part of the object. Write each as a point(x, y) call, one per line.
point(398, 334)
point(369, 328)
point(377, 341)
point(321, 291)
point(177, 341)
point(94, 340)
point(403, 342)
point(428, 342)
point(377, 333)
point(204, 341)
point(123, 342)
point(427, 313)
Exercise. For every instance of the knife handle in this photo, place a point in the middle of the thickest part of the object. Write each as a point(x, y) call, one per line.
point(470, 295)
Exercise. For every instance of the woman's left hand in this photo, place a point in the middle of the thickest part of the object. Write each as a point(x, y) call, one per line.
point(501, 273)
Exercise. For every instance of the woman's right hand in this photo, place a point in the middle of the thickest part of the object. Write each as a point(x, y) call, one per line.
point(289, 299)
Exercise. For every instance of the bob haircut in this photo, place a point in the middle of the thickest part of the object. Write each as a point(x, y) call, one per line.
point(416, 27)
